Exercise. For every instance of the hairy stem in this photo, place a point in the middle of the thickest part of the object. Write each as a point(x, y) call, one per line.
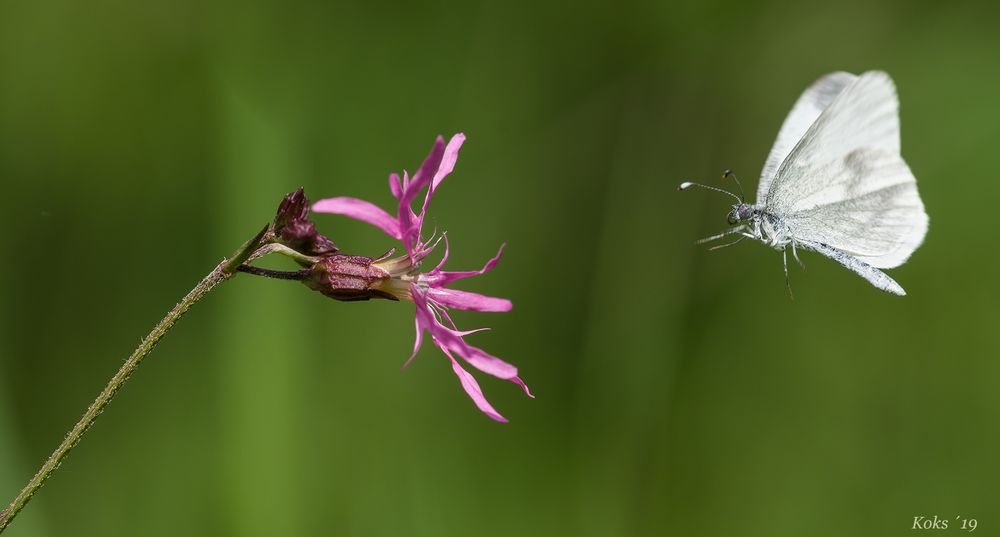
point(225, 270)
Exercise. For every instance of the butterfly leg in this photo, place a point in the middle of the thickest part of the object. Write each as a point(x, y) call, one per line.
point(784, 259)
point(737, 229)
point(795, 254)
point(717, 246)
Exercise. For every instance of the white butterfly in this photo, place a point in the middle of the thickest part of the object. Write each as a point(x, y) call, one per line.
point(835, 182)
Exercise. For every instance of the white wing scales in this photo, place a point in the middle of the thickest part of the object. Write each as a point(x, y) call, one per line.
point(881, 222)
point(810, 105)
point(844, 184)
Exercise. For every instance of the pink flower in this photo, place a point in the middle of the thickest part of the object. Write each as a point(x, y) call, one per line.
point(427, 290)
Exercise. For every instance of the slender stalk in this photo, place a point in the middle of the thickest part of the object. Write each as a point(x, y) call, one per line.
point(225, 270)
point(277, 274)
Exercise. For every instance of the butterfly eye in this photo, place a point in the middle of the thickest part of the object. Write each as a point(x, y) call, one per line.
point(731, 218)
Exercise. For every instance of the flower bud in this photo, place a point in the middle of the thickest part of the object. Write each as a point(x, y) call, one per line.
point(293, 227)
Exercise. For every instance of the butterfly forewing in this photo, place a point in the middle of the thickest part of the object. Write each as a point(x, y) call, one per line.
point(810, 105)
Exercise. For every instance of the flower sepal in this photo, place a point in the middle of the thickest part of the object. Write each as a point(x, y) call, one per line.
point(349, 278)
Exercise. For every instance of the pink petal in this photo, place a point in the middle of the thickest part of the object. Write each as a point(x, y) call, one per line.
point(486, 362)
point(439, 278)
point(471, 387)
point(447, 338)
point(424, 176)
point(446, 166)
point(360, 210)
point(449, 159)
point(464, 333)
point(465, 300)
point(395, 186)
point(451, 341)
point(519, 382)
point(425, 317)
point(478, 358)
point(417, 341)
point(410, 222)
point(444, 314)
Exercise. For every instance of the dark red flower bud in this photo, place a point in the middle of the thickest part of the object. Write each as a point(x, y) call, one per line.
point(293, 227)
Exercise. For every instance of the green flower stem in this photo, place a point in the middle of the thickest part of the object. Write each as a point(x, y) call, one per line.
point(253, 249)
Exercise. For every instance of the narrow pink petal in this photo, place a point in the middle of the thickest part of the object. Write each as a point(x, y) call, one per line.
point(446, 166)
point(486, 362)
point(465, 300)
point(394, 185)
point(409, 229)
point(424, 313)
point(360, 210)
point(410, 222)
point(424, 176)
point(476, 357)
point(417, 341)
point(449, 159)
point(463, 333)
point(440, 278)
point(450, 341)
point(444, 314)
point(447, 338)
point(471, 387)
point(423, 318)
point(519, 382)
point(410, 236)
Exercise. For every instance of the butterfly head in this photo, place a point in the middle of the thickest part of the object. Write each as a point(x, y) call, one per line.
point(741, 213)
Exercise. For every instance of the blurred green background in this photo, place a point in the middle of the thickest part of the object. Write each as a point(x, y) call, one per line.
point(679, 392)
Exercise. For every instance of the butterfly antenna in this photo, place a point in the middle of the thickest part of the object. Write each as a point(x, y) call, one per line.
point(687, 185)
point(729, 173)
